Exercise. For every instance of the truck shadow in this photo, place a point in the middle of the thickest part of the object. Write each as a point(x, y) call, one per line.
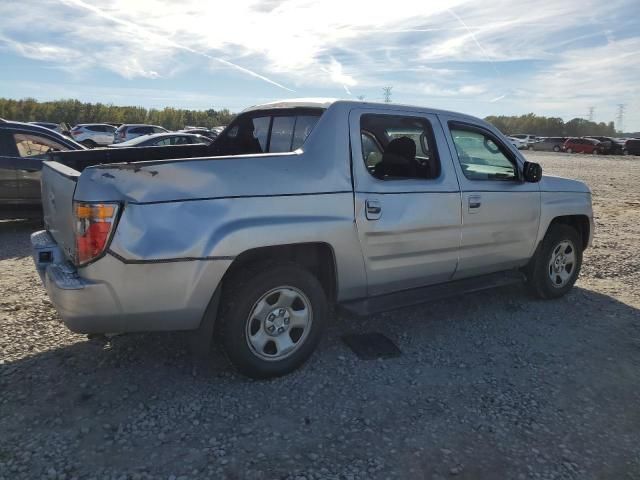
point(155, 360)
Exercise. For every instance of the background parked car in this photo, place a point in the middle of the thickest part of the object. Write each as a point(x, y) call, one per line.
point(519, 143)
point(92, 135)
point(581, 145)
point(610, 145)
point(205, 132)
point(163, 139)
point(23, 146)
point(128, 131)
point(631, 147)
point(527, 138)
point(549, 144)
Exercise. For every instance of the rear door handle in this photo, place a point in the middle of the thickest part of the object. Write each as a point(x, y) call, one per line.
point(373, 209)
point(474, 203)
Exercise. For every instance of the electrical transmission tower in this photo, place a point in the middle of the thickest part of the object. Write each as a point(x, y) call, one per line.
point(591, 110)
point(620, 117)
point(361, 98)
point(386, 93)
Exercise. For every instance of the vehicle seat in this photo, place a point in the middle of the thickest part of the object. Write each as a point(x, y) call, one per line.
point(398, 160)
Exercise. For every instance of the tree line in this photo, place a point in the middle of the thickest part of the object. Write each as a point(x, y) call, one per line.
point(551, 126)
point(74, 112)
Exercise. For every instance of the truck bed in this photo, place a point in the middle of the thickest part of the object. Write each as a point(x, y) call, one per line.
point(81, 159)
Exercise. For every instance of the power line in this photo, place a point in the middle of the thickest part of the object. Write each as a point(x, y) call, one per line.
point(620, 117)
point(386, 93)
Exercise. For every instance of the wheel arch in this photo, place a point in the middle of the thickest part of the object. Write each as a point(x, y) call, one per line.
point(580, 223)
point(317, 257)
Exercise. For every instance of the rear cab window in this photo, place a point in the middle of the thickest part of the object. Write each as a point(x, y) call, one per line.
point(274, 131)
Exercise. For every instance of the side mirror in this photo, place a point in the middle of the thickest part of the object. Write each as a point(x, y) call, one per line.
point(532, 172)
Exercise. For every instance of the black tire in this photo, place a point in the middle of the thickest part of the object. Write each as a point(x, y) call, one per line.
point(539, 271)
point(556, 148)
point(529, 147)
point(569, 150)
point(89, 143)
point(242, 292)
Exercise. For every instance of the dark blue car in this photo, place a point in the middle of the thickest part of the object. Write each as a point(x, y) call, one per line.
point(23, 147)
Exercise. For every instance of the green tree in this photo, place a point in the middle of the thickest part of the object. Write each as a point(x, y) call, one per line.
point(73, 112)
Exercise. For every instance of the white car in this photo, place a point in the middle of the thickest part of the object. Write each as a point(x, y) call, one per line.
point(528, 139)
point(519, 143)
point(92, 135)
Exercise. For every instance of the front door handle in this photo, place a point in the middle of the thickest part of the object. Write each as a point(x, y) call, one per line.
point(373, 209)
point(474, 203)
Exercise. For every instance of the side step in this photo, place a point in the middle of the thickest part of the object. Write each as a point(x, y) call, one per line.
point(416, 296)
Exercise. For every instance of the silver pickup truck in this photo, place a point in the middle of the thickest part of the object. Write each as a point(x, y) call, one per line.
point(302, 206)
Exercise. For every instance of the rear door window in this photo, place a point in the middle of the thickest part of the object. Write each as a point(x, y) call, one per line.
point(397, 147)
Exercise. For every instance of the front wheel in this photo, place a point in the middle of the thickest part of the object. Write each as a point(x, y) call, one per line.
point(569, 150)
point(556, 148)
point(273, 317)
point(556, 265)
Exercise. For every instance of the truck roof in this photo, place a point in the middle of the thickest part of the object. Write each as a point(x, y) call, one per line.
point(325, 103)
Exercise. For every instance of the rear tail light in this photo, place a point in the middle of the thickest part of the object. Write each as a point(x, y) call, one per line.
point(76, 131)
point(94, 224)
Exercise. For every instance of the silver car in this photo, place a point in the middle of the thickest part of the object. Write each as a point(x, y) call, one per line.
point(164, 139)
point(92, 135)
point(129, 130)
point(302, 206)
point(549, 144)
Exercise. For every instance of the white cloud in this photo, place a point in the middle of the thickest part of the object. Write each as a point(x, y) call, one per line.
point(456, 50)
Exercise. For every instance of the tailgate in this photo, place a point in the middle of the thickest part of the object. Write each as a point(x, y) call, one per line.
point(58, 187)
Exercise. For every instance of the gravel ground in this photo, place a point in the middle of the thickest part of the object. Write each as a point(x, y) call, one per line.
point(490, 385)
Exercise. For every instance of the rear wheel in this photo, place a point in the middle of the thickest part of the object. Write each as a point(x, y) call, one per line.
point(595, 151)
point(273, 317)
point(556, 265)
point(556, 148)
